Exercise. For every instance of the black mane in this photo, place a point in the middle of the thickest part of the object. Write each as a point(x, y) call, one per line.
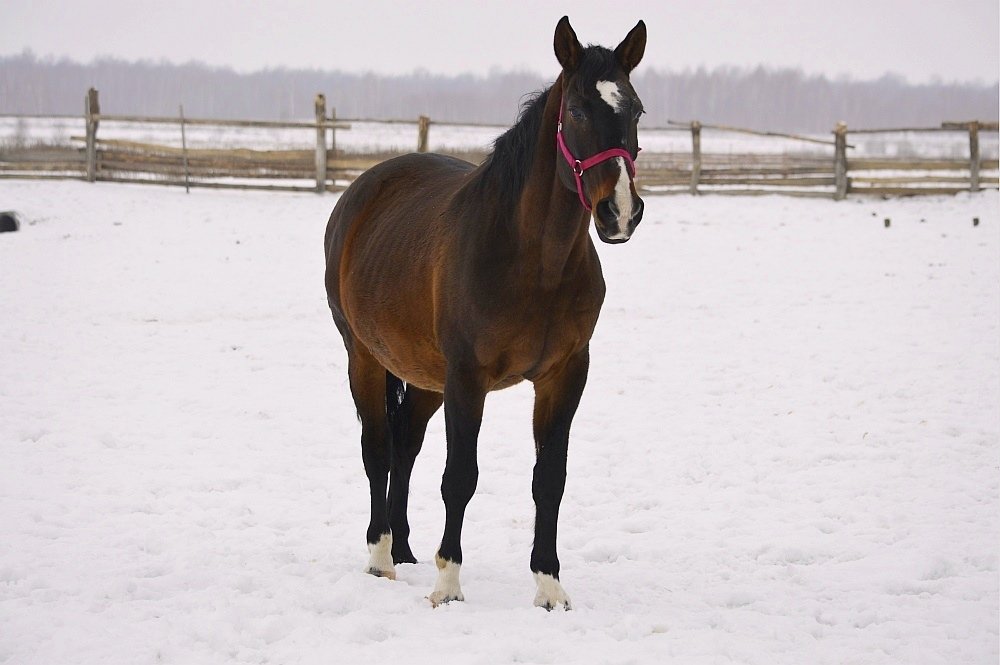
point(505, 170)
point(507, 167)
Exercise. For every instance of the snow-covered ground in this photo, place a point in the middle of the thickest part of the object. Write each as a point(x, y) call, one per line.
point(787, 452)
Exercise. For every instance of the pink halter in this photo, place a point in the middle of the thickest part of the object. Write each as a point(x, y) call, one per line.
point(579, 166)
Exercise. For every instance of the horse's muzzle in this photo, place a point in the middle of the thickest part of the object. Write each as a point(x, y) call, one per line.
point(612, 226)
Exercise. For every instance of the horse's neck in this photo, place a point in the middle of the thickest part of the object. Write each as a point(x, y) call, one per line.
point(552, 225)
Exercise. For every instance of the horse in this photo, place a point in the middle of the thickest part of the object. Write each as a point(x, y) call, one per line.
point(448, 281)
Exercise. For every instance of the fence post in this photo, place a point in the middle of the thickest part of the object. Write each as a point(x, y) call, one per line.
point(320, 143)
point(840, 162)
point(423, 126)
point(92, 111)
point(184, 151)
point(695, 155)
point(333, 132)
point(974, 156)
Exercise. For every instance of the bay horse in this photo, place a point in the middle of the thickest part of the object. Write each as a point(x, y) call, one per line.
point(448, 281)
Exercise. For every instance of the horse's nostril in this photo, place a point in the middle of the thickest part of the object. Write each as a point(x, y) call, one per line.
point(637, 210)
point(610, 210)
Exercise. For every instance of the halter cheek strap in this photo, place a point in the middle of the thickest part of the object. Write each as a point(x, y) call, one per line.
point(579, 166)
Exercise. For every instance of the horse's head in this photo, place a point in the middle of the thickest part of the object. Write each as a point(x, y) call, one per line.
point(597, 140)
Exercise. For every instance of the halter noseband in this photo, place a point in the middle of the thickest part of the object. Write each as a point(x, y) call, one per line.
point(579, 166)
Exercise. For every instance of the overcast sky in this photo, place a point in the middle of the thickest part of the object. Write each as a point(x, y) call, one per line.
point(920, 40)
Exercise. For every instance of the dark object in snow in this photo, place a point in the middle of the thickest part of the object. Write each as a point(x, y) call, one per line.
point(8, 221)
point(887, 222)
point(975, 221)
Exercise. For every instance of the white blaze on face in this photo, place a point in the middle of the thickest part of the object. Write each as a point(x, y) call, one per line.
point(623, 199)
point(611, 94)
point(623, 191)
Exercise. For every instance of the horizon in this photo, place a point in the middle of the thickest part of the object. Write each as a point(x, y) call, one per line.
point(936, 42)
point(53, 59)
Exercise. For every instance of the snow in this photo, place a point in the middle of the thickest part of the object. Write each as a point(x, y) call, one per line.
point(787, 451)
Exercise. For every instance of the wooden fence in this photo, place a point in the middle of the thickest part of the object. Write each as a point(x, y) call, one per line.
point(826, 168)
point(832, 173)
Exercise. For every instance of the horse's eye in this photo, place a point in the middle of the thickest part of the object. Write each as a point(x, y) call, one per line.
point(576, 113)
point(639, 114)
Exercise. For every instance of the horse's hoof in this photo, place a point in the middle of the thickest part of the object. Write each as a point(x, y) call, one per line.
point(447, 588)
point(403, 555)
point(380, 559)
point(441, 597)
point(550, 593)
point(377, 572)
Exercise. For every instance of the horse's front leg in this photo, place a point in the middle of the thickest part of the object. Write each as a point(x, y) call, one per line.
point(557, 395)
point(464, 396)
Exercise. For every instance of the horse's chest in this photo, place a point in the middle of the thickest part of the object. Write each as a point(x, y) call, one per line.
point(542, 335)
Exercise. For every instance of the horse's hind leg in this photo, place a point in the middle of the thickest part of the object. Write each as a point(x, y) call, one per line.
point(368, 386)
point(408, 424)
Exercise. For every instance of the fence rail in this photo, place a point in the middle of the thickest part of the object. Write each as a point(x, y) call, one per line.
point(828, 169)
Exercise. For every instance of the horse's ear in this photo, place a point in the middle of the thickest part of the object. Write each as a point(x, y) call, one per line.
point(567, 46)
point(630, 51)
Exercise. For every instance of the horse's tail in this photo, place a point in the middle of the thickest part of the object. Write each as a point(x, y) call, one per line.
point(395, 391)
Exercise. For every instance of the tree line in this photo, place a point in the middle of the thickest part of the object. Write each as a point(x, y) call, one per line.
point(759, 98)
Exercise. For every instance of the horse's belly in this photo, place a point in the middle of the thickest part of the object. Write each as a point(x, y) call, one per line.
point(416, 363)
point(508, 359)
point(507, 382)
point(402, 345)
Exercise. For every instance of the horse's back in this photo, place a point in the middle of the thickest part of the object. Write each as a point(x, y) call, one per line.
point(391, 205)
point(415, 180)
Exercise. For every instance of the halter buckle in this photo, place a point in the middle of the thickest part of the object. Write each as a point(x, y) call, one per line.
point(578, 168)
